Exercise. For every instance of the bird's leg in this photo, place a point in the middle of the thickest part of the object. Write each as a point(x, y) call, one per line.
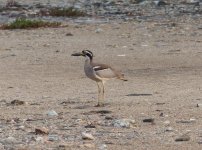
point(99, 94)
point(103, 92)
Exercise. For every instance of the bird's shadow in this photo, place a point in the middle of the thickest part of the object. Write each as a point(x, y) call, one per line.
point(142, 94)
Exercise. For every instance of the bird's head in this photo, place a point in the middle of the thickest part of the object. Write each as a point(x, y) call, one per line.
point(84, 53)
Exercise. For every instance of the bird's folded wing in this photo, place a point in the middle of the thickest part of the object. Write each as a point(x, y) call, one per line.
point(104, 71)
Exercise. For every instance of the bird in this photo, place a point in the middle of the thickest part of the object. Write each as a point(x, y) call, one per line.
point(99, 73)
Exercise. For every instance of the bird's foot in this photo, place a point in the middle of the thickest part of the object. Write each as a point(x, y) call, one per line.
point(99, 105)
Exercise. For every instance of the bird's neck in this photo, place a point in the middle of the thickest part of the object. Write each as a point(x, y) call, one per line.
point(88, 59)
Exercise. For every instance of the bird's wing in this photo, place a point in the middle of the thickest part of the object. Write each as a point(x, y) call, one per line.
point(104, 71)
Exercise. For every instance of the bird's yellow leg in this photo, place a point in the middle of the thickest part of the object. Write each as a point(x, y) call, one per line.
point(103, 92)
point(99, 93)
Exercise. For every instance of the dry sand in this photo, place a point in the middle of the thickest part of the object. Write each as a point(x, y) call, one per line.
point(163, 66)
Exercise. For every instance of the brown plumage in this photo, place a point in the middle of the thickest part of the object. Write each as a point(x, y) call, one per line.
point(106, 71)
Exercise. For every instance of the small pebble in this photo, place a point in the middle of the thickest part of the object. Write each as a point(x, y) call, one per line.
point(52, 113)
point(46, 45)
point(200, 27)
point(192, 119)
point(17, 102)
point(39, 139)
point(182, 138)
point(69, 34)
point(124, 123)
point(169, 129)
point(144, 45)
point(103, 147)
point(121, 55)
point(20, 128)
point(98, 30)
point(199, 105)
point(42, 130)
point(161, 115)
point(53, 137)
point(167, 122)
point(90, 126)
point(148, 120)
point(109, 118)
point(87, 136)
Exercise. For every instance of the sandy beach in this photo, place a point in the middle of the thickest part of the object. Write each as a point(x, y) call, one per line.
point(163, 65)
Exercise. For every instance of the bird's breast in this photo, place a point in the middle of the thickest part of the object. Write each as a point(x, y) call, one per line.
point(88, 69)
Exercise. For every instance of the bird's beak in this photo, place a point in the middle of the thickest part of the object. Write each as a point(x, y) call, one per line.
point(78, 54)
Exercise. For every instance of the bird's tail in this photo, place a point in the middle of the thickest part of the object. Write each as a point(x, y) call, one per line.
point(121, 77)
